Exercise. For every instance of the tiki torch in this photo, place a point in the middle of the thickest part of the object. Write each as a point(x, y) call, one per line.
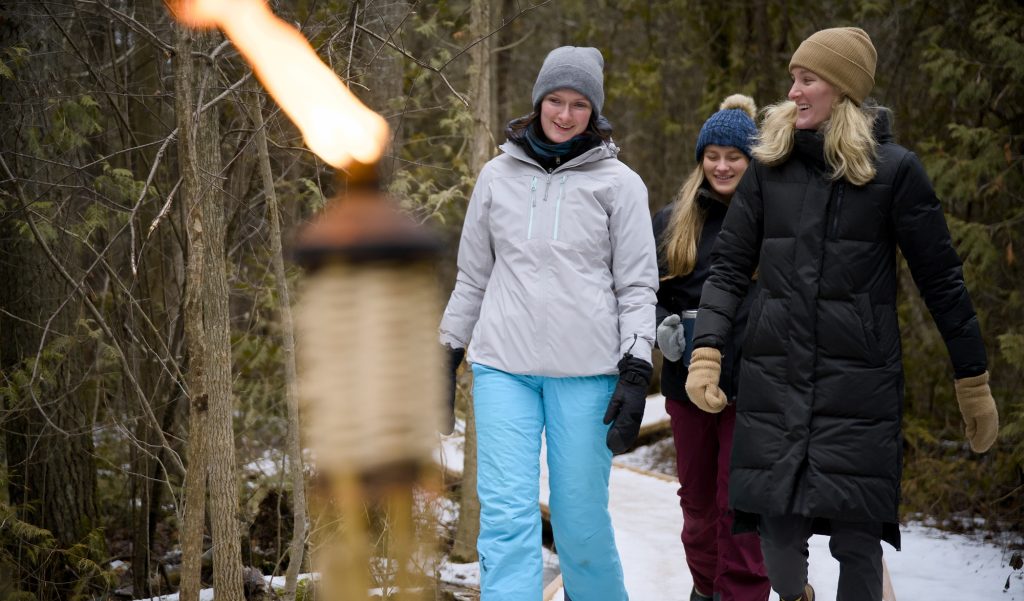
point(371, 385)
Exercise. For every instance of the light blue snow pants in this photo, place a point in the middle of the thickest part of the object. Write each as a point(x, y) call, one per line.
point(511, 413)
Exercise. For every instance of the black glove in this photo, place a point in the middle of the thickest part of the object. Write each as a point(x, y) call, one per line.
point(627, 405)
point(455, 356)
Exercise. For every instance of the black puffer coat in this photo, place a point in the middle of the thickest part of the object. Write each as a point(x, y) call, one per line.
point(818, 429)
point(681, 293)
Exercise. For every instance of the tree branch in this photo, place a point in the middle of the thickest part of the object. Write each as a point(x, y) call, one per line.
point(134, 24)
point(128, 372)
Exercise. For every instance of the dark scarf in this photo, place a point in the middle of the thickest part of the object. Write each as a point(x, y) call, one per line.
point(550, 155)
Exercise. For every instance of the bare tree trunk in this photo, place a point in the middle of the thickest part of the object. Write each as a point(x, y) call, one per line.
point(211, 444)
point(481, 148)
point(51, 476)
point(47, 408)
point(294, 450)
point(194, 513)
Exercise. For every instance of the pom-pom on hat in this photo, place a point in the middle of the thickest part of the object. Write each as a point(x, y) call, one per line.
point(575, 67)
point(732, 125)
point(843, 56)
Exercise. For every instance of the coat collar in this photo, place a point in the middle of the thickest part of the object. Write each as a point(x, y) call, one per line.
point(607, 150)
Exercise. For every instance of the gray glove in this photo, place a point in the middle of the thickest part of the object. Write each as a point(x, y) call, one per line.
point(672, 338)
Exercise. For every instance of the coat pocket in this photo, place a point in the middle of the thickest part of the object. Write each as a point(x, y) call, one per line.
point(875, 354)
point(766, 326)
point(846, 329)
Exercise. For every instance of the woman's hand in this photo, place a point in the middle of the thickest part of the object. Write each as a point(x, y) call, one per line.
point(671, 338)
point(454, 356)
point(626, 407)
point(981, 420)
point(702, 380)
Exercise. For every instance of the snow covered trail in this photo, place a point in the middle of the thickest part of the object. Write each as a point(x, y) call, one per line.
point(647, 535)
point(933, 565)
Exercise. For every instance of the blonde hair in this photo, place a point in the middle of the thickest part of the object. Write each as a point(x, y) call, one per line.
point(850, 145)
point(679, 244)
point(683, 231)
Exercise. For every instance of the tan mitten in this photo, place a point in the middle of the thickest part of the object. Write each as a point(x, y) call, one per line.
point(702, 381)
point(979, 410)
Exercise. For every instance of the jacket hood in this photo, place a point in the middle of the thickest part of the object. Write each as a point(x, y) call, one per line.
point(883, 128)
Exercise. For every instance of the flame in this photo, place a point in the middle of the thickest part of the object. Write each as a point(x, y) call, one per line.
point(334, 123)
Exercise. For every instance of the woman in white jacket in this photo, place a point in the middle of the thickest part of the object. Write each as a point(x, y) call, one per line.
point(554, 297)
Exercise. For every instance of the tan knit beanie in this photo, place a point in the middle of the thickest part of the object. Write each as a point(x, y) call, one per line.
point(843, 56)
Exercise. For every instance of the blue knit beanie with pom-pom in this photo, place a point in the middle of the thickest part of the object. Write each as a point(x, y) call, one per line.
point(732, 125)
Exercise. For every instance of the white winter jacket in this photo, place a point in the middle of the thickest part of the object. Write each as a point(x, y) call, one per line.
point(557, 271)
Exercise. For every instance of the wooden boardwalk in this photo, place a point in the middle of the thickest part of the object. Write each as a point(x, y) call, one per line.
point(648, 521)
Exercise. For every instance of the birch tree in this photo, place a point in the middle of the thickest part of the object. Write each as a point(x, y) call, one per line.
point(481, 149)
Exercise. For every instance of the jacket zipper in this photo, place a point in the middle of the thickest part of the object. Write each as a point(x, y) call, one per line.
point(840, 192)
point(533, 205)
point(558, 205)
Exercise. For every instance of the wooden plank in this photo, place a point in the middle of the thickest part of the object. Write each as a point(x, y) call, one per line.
point(888, 594)
point(553, 587)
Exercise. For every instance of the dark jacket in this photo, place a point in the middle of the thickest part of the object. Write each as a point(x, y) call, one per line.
point(678, 294)
point(818, 432)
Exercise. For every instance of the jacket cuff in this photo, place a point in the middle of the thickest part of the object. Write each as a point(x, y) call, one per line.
point(451, 341)
point(641, 349)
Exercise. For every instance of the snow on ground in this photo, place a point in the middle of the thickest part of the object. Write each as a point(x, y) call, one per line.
point(277, 582)
point(933, 565)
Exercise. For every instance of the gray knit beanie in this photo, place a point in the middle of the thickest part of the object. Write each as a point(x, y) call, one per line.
point(575, 67)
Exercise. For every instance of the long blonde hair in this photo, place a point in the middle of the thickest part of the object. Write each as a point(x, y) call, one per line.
point(682, 234)
point(683, 231)
point(850, 145)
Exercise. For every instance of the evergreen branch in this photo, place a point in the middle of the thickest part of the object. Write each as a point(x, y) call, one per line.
point(128, 372)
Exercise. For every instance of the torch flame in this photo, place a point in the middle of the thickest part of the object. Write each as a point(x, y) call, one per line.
point(334, 123)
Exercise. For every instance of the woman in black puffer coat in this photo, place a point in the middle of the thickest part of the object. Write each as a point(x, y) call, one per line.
point(821, 213)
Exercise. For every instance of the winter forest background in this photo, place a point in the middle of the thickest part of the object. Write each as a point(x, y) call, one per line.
point(104, 354)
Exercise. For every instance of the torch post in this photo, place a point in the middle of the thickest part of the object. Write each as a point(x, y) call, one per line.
point(371, 375)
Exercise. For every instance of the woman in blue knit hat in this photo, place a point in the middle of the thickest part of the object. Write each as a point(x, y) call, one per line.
point(554, 299)
point(724, 566)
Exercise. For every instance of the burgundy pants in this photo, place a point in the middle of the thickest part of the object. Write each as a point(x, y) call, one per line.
point(723, 564)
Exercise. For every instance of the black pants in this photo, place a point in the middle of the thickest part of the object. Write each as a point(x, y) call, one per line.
point(855, 545)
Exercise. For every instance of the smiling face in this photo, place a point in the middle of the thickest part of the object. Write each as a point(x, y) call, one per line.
point(814, 98)
point(723, 168)
point(564, 113)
